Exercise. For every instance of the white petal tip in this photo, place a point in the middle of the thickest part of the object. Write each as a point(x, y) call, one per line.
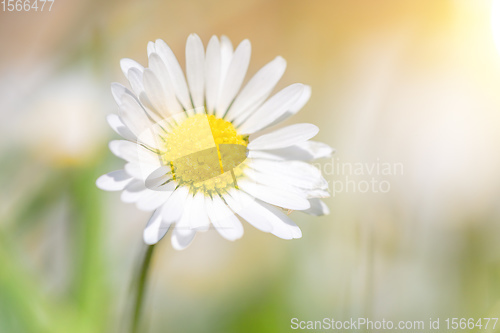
point(148, 240)
point(280, 59)
point(99, 182)
point(180, 243)
point(113, 181)
point(152, 236)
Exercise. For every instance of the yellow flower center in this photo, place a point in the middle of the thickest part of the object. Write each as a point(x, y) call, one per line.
point(205, 153)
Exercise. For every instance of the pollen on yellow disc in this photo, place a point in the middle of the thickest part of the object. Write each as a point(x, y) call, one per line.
point(205, 153)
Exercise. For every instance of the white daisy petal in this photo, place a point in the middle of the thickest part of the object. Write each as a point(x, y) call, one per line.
point(275, 196)
point(182, 240)
point(134, 76)
point(151, 48)
point(266, 155)
point(174, 207)
point(126, 64)
point(272, 109)
point(315, 149)
point(134, 191)
point(223, 219)
point(303, 187)
point(226, 53)
point(245, 206)
point(317, 193)
point(270, 219)
point(134, 170)
point(212, 73)
point(161, 179)
point(139, 171)
point(118, 90)
point(154, 115)
point(301, 174)
point(135, 118)
point(155, 93)
point(303, 99)
point(113, 181)
point(175, 71)
point(257, 90)
point(160, 71)
point(304, 151)
point(283, 226)
point(318, 208)
point(284, 137)
point(199, 217)
point(195, 68)
point(152, 200)
point(183, 225)
point(270, 180)
point(155, 229)
point(234, 77)
point(132, 152)
point(119, 127)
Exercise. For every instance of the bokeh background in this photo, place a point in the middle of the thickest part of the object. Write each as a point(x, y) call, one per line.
point(412, 82)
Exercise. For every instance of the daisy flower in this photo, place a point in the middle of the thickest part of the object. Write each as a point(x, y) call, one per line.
point(203, 150)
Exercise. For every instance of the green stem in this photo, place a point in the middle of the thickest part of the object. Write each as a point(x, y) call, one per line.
point(139, 297)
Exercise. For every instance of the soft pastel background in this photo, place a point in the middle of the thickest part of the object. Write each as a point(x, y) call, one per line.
point(415, 82)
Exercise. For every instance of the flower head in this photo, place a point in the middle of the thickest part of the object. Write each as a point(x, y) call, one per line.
point(202, 151)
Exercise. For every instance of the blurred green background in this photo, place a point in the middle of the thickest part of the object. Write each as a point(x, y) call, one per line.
point(410, 82)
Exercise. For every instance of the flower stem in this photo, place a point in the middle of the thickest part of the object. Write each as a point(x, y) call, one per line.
point(141, 284)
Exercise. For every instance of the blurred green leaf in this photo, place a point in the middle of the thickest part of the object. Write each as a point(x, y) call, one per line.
point(90, 286)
